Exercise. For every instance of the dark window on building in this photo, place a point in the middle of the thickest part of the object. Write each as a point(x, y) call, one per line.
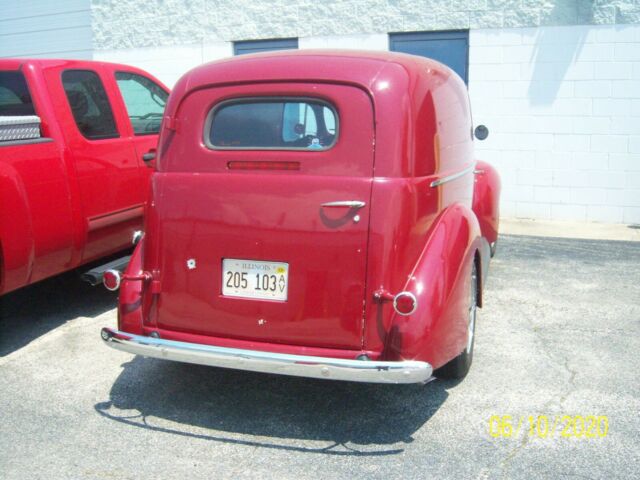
point(256, 46)
point(15, 99)
point(450, 48)
point(280, 124)
point(89, 104)
point(145, 101)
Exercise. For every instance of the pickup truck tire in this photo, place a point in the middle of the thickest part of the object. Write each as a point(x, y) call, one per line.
point(459, 366)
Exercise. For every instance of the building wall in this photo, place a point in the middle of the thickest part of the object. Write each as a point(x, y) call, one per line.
point(563, 108)
point(134, 24)
point(556, 81)
point(43, 28)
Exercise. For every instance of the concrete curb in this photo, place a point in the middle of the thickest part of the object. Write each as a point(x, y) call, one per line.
point(559, 229)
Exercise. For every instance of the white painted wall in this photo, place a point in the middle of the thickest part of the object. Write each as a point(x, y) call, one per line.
point(563, 108)
point(167, 63)
point(374, 41)
point(562, 105)
point(45, 28)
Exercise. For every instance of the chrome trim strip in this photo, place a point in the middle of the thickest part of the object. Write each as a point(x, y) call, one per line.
point(451, 177)
point(407, 371)
point(345, 203)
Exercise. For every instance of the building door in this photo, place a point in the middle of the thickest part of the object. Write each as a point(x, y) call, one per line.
point(450, 48)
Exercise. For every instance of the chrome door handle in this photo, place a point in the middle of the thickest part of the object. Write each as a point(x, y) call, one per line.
point(345, 203)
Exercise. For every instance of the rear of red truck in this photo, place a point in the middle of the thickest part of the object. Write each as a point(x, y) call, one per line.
point(286, 220)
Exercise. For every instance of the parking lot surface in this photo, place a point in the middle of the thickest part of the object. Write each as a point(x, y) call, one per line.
point(559, 335)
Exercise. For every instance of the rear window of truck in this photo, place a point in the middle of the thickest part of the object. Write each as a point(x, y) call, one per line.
point(15, 99)
point(272, 124)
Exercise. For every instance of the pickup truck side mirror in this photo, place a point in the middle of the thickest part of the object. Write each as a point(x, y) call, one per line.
point(149, 158)
point(481, 132)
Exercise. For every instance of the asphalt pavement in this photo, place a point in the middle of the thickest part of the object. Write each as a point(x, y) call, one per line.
point(558, 338)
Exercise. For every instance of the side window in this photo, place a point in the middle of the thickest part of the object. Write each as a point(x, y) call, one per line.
point(89, 104)
point(15, 99)
point(145, 101)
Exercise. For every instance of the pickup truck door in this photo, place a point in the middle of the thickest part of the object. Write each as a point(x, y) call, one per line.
point(144, 100)
point(111, 187)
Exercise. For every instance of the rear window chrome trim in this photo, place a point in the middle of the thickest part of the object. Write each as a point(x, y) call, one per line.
point(266, 99)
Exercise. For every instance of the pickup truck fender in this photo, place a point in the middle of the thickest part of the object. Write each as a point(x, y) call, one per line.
point(16, 231)
point(486, 196)
point(437, 331)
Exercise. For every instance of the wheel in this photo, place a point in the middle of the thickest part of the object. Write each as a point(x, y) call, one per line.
point(459, 366)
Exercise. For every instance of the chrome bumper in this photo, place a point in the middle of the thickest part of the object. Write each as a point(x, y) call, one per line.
point(267, 362)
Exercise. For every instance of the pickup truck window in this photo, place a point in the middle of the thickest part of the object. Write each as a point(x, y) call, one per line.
point(15, 99)
point(272, 124)
point(89, 104)
point(145, 102)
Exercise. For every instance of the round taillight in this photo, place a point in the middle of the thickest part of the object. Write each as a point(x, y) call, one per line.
point(111, 279)
point(405, 303)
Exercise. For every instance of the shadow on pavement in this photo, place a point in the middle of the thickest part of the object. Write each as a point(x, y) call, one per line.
point(33, 311)
point(243, 408)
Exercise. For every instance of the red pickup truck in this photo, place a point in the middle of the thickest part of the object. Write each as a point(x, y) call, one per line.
point(74, 137)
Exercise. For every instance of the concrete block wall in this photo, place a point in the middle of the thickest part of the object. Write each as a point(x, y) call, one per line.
point(563, 108)
point(556, 81)
point(121, 24)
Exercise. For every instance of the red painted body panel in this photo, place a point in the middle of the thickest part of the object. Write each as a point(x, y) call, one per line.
point(405, 126)
point(67, 200)
point(486, 198)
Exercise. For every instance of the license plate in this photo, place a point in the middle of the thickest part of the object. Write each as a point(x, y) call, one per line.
point(254, 279)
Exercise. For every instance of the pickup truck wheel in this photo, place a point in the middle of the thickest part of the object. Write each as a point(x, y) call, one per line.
point(459, 366)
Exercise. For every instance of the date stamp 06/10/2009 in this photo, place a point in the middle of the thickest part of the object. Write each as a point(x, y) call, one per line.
point(549, 426)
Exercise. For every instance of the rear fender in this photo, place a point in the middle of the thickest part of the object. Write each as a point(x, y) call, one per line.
point(16, 231)
point(486, 200)
point(437, 331)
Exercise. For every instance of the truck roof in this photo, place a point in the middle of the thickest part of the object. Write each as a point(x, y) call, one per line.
point(356, 67)
point(41, 63)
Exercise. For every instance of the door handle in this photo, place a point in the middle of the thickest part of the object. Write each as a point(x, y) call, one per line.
point(355, 204)
point(147, 157)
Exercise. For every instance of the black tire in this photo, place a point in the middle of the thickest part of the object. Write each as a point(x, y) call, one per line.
point(459, 366)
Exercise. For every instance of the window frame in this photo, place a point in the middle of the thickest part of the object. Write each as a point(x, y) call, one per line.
point(247, 47)
point(284, 99)
point(124, 102)
point(117, 133)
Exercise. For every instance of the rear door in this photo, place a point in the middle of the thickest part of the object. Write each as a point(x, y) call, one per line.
point(263, 207)
point(112, 190)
